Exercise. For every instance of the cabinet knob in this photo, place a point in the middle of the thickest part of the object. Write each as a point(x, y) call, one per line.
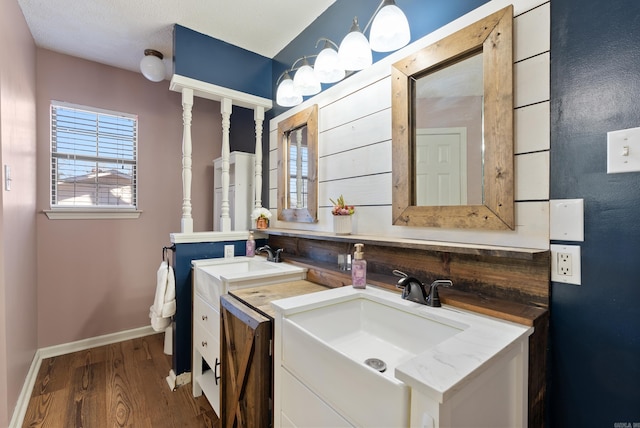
point(204, 318)
point(204, 343)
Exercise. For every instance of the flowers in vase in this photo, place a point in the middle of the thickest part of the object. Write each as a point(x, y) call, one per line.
point(341, 208)
point(261, 212)
point(261, 216)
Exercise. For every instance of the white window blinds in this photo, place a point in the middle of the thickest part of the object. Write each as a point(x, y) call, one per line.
point(93, 158)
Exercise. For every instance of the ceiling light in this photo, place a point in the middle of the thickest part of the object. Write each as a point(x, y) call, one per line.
point(390, 28)
point(152, 66)
point(286, 95)
point(354, 51)
point(305, 81)
point(327, 66)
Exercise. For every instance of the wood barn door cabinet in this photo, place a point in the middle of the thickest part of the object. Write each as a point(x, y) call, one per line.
point(247, 366)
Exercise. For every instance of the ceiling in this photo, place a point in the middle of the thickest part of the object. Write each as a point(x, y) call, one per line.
point(116, 32)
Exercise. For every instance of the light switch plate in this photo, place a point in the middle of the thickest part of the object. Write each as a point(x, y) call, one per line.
point(566, 221)
point(623, 151)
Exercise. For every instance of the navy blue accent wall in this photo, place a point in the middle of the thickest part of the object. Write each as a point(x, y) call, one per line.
point(182, 257)
point(595, 328)
point(211, 60)
point(424, 17)
point(242, 134)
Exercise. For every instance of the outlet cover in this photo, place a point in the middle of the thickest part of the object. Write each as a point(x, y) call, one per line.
point(565, 264)
point(229, 251)
point(566, 219)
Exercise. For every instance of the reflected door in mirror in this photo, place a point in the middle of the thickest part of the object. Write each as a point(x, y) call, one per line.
point(447, 136)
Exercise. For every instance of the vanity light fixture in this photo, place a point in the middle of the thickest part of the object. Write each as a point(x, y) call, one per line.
point(305, 80)
point(354, 51)
point(286, 95)
point(389, 29)
point(152, 66)
point(327, 66)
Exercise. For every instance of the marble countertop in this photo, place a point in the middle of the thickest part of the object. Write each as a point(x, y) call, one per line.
point(445, 368)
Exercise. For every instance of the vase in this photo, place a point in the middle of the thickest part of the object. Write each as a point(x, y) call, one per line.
point(262, 223)
point(342, 224)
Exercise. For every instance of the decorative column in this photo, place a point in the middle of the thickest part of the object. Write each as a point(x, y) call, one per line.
point(186, 224)
point(258, 116)
point(225, 110)
point(299, 180)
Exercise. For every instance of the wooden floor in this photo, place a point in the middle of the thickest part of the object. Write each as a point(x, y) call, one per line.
point(118, 385)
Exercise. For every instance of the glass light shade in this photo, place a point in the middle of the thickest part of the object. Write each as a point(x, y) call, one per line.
point(354, 51)
point(305, 81)
point(327, 66)
point(152, 68)
point(286, 95)
point(390, 29)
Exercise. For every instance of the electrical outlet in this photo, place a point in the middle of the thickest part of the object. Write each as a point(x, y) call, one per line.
point(565, 264)
point(228, 251)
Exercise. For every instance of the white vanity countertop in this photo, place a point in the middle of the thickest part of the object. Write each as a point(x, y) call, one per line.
point(448, 366)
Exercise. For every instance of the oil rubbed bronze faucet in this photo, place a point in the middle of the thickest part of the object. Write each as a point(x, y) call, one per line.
point(272, 255)
point(415, 291)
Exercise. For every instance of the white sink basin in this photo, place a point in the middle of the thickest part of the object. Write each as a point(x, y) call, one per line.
point(361, 329)
point(323, 340)
point(215, 277)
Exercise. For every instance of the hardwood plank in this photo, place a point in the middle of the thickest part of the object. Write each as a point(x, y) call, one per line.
point(122, 384)
point(260, 298)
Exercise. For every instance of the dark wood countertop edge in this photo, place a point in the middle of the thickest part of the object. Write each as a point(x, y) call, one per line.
point(449, 247)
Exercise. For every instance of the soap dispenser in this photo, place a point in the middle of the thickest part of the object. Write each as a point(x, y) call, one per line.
point(359, 268)
point(251, 245)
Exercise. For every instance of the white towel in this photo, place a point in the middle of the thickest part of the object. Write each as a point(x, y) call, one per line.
point(164, 304)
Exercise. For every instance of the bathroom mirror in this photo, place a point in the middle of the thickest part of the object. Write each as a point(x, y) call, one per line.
point(452, 117)
point(297, 167)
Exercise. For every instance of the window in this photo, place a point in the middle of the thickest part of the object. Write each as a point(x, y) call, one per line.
point(93, 159)
point(298, 164)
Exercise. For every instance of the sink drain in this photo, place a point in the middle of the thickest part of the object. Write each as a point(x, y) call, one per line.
point(376, 364)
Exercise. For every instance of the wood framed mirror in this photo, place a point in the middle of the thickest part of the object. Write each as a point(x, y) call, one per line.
point(298, 167)
point(442, 70)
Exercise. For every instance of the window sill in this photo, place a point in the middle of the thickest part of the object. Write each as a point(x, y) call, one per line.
point(91, 214)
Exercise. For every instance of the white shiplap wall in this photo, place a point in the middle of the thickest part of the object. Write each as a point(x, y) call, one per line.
point(355, 140)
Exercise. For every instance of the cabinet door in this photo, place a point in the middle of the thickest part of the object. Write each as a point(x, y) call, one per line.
point(246, 366)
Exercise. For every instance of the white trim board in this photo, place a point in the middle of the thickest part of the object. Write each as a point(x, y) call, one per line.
point(20, 410)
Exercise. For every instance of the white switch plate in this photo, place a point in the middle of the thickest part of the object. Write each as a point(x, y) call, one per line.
point(7, 177)
point(623, 151)
point(566, 219)
point(228, 251)
point(565, 264)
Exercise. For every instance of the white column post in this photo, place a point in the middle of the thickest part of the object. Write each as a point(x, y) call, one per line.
point(225, 109)
point(258, 115)
point(186, 224)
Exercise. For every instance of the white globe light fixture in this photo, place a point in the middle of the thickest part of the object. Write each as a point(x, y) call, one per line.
point(286, 94)
point(390, 28)
point(305, 81)
point(152, 66)
point(354, 51)
point(327, 66)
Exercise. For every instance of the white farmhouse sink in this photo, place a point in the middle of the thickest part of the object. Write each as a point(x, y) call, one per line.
point(362, 328)
point(324, 339)
point(215, 277)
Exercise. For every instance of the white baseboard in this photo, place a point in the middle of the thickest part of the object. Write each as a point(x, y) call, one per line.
point(92, 342)
point(67, 348)
point(176, 381)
